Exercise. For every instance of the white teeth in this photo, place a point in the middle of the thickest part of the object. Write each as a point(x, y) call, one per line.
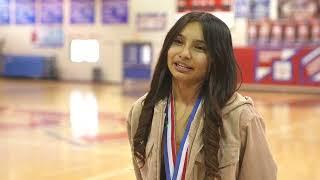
point(182, 65)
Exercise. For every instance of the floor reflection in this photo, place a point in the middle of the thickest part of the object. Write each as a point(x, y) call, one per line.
point(84, 112)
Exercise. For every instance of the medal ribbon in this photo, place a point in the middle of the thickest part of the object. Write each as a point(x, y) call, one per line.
point(175, 164)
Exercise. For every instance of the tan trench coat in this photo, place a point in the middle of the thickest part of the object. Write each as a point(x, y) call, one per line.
point(244, 151)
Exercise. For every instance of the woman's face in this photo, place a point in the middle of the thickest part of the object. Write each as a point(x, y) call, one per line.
point(187, 56)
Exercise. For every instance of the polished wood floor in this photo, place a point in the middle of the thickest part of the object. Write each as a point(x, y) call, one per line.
point(70, 131)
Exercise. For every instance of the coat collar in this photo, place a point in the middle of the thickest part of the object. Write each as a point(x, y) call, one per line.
point(157, 128)
point(195, 136)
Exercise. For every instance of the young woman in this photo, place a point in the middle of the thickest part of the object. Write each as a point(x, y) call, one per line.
point(192, 124)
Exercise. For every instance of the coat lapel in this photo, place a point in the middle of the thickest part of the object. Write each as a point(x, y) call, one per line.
point(195, 142)
point(157, 128)
point(195, 138)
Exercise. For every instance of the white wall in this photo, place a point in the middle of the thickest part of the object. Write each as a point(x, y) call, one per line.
point(111, 37)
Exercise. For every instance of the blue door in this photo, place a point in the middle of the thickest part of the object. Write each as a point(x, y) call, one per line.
point(137, 61)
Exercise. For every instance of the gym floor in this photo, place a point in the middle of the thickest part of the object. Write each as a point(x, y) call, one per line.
point(70, 131)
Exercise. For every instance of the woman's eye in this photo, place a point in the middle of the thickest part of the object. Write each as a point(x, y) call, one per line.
point(177, 41)
point(202, 48)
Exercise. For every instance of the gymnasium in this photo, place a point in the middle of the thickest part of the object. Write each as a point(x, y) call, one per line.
point(70, 71)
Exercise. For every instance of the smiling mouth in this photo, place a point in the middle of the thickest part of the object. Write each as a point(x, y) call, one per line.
point(182, 68)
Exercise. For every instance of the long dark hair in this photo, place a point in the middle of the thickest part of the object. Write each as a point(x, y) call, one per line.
point(218, 87)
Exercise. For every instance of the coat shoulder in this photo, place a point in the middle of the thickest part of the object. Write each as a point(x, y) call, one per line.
point(238, 112)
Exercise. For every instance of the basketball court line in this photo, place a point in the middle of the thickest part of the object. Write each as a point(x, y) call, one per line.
point(60, 137)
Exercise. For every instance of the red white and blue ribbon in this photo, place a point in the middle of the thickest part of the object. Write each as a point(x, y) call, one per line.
point(175, 164)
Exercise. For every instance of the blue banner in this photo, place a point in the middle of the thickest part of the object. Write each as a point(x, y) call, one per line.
point(4, 12)
point(51, 1)
point(24, 1)
point(259, 9)
point(49, 36)
point(151, 21)
point(25, 12)
point(242, 8)
point(114, 11)
point(51, 12)
point(4, 2)
point(82, 12)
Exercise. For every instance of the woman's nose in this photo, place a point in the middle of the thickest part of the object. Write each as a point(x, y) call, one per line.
point(185, 53)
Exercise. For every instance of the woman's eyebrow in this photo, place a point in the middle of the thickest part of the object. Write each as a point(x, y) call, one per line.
point(200, 41)
point(180, 36)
